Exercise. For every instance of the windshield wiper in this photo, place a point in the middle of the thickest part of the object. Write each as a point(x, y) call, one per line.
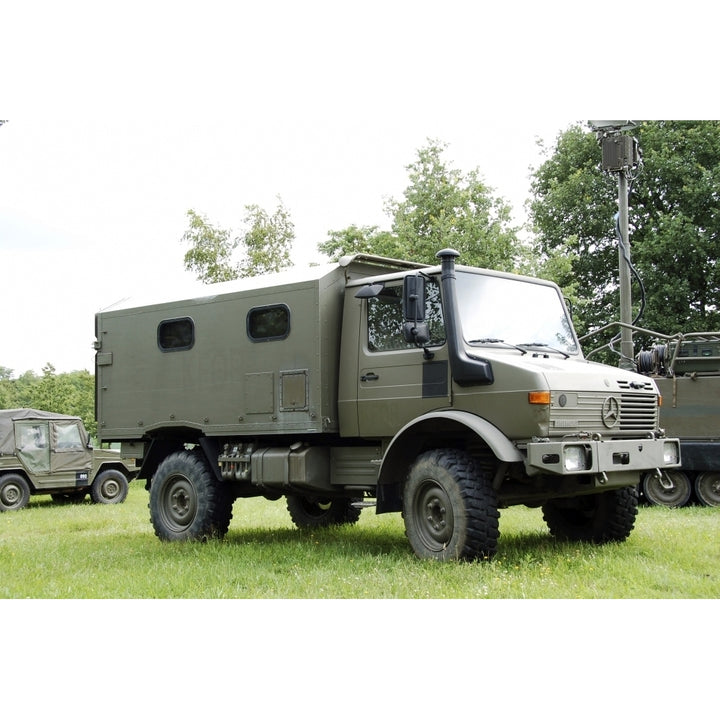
point(496, 341)
point(544, 346)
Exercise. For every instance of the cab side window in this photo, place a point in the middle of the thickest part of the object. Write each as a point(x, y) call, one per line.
point(385, 318)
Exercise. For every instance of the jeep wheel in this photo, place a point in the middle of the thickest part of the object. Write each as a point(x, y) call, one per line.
point(598, 518)
point(109, 488)
point(673, 489)
point(14, 492)
point(450, 508)
point(707, 488)
point(187, 502)
point(307, 512)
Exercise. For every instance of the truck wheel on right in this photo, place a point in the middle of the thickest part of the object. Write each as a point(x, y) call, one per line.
point(599, 518)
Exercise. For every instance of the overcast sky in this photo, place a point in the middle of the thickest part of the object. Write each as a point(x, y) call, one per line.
point(122, 116)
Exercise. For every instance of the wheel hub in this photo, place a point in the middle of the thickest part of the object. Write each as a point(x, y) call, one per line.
point(436, 514)
point(111, 489)
point(11, 494)
point(180, 503)
point(436, 526)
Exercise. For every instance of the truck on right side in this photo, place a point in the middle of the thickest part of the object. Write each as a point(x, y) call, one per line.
point(686, 370)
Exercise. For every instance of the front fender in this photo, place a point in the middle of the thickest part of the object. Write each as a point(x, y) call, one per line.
point(443, 428)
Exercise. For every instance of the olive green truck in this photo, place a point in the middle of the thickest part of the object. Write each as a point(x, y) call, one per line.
point(442, 392)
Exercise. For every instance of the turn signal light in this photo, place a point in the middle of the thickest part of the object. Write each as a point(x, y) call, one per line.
point(539, 397)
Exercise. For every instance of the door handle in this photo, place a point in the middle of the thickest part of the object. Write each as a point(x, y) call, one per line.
point(369, 376)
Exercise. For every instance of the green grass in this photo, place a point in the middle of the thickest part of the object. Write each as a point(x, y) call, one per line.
point(110, 551)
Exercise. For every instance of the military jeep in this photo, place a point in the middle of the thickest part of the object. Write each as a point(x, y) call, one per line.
point(49, 453)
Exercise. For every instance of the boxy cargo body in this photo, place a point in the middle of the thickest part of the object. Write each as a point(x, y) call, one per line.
point(257, 358)
point(444, 392)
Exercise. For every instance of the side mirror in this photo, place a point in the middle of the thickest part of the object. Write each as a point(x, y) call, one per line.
point(415, 329)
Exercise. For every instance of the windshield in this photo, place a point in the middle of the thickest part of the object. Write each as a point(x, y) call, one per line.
point(514, 312)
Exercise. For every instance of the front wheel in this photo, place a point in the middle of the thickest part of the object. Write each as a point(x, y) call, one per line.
point(307, 512)
point(600, 518)
point(14, 492)
point(110, 487)
point(450, 508)
point(187, 502)
point(671, 489)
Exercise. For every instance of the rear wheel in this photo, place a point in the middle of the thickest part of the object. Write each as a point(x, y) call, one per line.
point(600, 518)
point(308, 512)
point(14, 492)
point(707, 488)
point(450, 508)
point(109, 488)
point(671, 489)
point(187, 502)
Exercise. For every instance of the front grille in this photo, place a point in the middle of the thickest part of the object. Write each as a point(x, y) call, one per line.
point(637, 412)
point(620, 414)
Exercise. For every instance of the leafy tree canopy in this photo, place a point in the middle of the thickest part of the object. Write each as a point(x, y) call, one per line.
point(67, 393)
point(265, 244)
point(674, 219)
point(441, 207)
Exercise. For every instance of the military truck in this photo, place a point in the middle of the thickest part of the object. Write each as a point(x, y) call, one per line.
point(50, 453)
point(686, 369)
point(442, 392)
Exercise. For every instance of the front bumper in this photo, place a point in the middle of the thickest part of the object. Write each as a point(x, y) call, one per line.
point(579, 456)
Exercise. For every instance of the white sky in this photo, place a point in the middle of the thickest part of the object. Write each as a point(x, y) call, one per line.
point(124, 115)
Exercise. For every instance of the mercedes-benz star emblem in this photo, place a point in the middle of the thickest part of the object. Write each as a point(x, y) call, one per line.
point(610, 412)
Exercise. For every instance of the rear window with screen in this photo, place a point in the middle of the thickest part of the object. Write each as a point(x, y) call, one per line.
point(176, 334)
point(268, 323)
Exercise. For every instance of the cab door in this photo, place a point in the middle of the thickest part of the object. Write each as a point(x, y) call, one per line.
point(398, 381)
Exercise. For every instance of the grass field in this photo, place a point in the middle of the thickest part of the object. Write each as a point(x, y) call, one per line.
point(110, 551)
point(450, 653)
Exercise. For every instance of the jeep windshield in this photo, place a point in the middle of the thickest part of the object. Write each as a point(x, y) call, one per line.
point(513, 312)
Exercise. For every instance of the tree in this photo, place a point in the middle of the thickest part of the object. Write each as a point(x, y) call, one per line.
point(440, 208)
point(353, 240)
point(68, 393)
point(676, 212)
point(267, 240)
point(265, 245)
point(210, 255)
point(673, 216)
point(573, 205)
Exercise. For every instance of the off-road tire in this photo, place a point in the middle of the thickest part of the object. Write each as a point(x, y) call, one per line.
point(707, 488)
point(187, 502)
point(450, 508)
point(110, 487)
point(600, 518)
point(14, 492)
point(677, 493)
point(307, 512)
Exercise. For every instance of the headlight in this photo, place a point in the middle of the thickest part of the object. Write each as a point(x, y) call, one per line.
point(575, 458)
point(670, 453)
